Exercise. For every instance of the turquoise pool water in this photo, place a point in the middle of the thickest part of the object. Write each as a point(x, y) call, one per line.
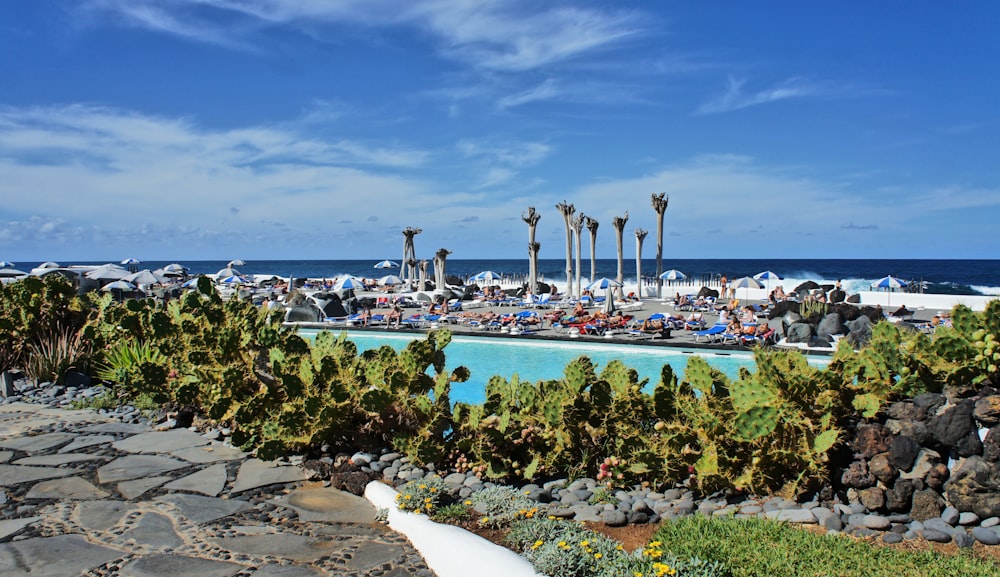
point(541, 360)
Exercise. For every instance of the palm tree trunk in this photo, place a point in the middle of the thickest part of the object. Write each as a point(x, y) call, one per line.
point(660, 202)
point(567, 211)
point(640, 235)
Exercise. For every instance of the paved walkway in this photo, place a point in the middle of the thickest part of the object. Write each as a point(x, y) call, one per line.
point(82, 494)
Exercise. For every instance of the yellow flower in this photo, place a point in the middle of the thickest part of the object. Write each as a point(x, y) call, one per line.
point(423, 486)
point(598, 555)
point(407, 497)
point(433, 489)
point(468, 502)
point(537, 545)
point(427, 500)
point(655, 543)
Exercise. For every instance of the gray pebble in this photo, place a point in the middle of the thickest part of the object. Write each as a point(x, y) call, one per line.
point(986, 536)
point(936, 536)
point(950, 515)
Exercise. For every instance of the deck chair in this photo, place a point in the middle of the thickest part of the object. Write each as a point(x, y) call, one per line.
point(710, 335)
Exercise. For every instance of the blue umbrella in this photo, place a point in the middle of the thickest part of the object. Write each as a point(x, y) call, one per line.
point(235, 279)
point(350, 283)
point(673, 274)
point(486, 275)
point(603, 283)
point(767, 275)
point(6, 264)
point(386, 264)
point(890, 283)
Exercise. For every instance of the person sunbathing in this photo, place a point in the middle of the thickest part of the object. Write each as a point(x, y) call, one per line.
point(652, 326)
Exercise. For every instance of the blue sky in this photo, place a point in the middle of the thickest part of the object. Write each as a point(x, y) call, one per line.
point(315, 129)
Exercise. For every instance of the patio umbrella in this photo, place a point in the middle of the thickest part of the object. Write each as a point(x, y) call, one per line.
point(673, 274)
point(767, 275)
point(11, 272)
point(144, 276)
point(350, 283)
point(228, 271)
point(890, 283)
point(49, 264)
point(6, 264)
point(107, 272)
point(745, 283)
point(132, 264)
point(609, 285)
point(191, 283)
point(486, 275)
point(235, 262)
point(174, 267)
point(390, 280)
point(118, 285)
point(386, 264)
point(235, 279)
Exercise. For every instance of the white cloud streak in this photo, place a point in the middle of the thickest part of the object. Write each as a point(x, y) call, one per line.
point(499, 35)
point(734, 98)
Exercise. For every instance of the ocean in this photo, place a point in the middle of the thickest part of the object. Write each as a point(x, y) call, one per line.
point(961, 277)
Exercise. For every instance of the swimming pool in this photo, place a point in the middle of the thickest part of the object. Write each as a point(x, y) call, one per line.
point(543, 360)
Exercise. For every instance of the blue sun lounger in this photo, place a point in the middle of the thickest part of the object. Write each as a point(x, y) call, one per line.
point(711, 334)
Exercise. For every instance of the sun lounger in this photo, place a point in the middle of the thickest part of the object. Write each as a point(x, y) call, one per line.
point(711, 334)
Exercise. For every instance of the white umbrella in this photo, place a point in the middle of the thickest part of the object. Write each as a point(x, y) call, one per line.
point(49, 264)
point(767, 275)
point(107, 272)
point(228, 271)
point(673, 274)
point(174, 267)
point(118, 285)
point(390, 280)
point(386, 264)
point(890, 283)
point(145, 276)
point(745, 283)
point(191, 283)
point(11, 272)
point(6, 264)
point(235, 262)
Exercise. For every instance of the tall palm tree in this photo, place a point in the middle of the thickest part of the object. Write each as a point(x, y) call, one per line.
point(578, 221)
point(409, 253)
point(592, 225)
point(660, 202)
point(439, 260)
point(532, 217)
point(618, 223)
point(640, 235)
point(567, 211)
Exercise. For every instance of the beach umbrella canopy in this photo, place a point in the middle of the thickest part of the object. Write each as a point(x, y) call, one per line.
point(144, 276)
point(107, 272)
point(890, 283)
point(603, 283)
point(235, 279)
point(191, 283)
point(6, 264)
point(673, 274)
point(235, 262)
point(350, 283)
point(118, 285)
point(486, 275)
point(746, 283)
point(130, 260)
point(49, 264)
point(767, 275)
point(11, 272)
point(386, 264)
point(390, 280)
point(228, 271)
point(174, 267)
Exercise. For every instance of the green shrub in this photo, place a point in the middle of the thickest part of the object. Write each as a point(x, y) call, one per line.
point(54, 354)
point(501, 506)
point(761, 548)
point(422, 496)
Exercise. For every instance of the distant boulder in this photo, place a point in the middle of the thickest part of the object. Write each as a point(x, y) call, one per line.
point(707, 292)
point(799, 332)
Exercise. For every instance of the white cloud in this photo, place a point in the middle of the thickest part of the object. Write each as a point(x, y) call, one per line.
point(509, 35)
point(734, 98)
point(545, 91)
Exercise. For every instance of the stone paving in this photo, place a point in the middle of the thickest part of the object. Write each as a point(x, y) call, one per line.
point(84, 494)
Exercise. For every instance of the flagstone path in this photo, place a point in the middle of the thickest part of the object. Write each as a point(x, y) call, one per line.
point(88, 495)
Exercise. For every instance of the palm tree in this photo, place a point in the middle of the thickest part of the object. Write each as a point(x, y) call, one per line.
point(567, 211)
point(640, 235)
point(592, 225)
point(578, 221)
point(439, 259)
point(409, 271)
point(532, 217)
point(660, 202)
point(618, 223)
